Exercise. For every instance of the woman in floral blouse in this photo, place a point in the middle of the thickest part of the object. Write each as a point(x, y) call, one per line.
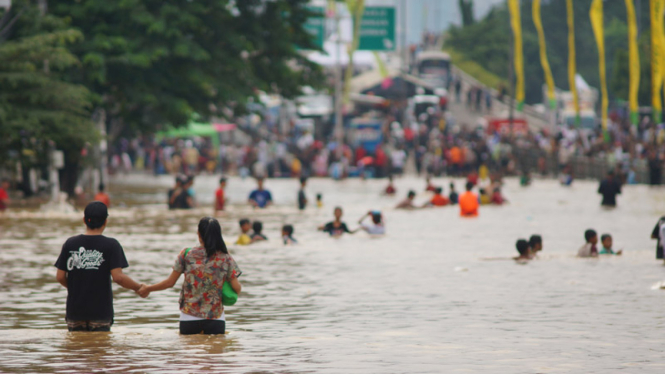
point(206, 268)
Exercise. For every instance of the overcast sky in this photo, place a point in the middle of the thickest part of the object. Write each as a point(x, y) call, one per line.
point(435, 15)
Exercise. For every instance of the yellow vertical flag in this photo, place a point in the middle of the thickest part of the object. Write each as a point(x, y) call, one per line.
point(633, 63)
point(537, 21)
point(516, 23)
point(596, 15)
point(572, 68)
point(660, 32)
point(656, 58)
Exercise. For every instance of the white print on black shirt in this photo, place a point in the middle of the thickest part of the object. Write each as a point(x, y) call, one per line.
point(85, 259)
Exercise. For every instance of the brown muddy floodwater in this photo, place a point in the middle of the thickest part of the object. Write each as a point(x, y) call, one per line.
point(432, 296)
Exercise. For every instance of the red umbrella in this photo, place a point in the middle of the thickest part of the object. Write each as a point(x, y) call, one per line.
point(222, 127)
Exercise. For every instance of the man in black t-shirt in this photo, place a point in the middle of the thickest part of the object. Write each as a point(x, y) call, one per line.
point(86, 265)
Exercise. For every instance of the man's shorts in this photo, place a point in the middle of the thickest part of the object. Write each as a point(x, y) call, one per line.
point(89, 325)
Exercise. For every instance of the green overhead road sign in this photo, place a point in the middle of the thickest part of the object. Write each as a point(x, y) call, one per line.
point(377, 29)
point(316, 25)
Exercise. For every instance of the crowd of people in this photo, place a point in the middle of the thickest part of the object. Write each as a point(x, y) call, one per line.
point(89, 263)
point(436, 145)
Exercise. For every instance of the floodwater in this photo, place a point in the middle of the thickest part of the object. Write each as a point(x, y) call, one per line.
point(437, 294)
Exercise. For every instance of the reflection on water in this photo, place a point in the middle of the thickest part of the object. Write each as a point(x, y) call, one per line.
point(426, 298)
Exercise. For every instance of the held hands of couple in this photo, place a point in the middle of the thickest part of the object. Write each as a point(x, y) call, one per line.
point(143, 291)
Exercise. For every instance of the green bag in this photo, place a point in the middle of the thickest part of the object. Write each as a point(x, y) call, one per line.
point(229, 295)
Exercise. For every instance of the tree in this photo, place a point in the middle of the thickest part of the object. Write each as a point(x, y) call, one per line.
point(153, 63)
point(466, 10)
point(487, 42)
point(37, 104)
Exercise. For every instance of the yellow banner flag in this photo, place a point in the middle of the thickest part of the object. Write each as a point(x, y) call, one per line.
point(596, 15)
point(660, 32)
point(516, 23)
point(537, 21)
point(656, 57)
point(572, 67)
point(633, 62)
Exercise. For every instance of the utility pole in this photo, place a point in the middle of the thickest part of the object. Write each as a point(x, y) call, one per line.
point(639, 16)
point(511, 78)
point(339, 121)
point(405, 47)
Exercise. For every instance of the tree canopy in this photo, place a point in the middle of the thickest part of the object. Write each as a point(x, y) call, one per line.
point(488, 43)
point(152, 62)
point(147, 64)
point(36, 103)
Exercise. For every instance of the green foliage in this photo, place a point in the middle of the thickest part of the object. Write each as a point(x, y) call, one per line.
point(36, 103)
point(482, 43)
point(475, 70)
point(487, 42)
point(466, 10)
point(154, 63)
point(619, 81)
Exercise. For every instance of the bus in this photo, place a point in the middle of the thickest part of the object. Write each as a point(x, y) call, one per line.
point(434, 67)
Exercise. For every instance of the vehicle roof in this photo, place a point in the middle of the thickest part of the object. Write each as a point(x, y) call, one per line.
point(418, 99)
point(431, 55)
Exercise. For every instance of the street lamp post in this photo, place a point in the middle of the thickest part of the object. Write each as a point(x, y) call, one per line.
point(339, 124)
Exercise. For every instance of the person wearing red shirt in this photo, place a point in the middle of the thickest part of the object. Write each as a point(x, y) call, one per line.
point(4, 196)
point(429, 187)
point(390, 189)
point(497, 198)
point(103, 196)
point(380, 161)
point(220, 199)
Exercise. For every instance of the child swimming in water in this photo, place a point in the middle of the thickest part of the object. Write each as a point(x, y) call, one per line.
point(390, 189)
point(257, 236)
point(485, 198)
point(535, 245)
point(606, 241)
point(429, 187)
point(589, 249)
point(408, 202)
point(438, 199)
point(244, 238)
point(287, 235)
point(376, 227)
point(453, 196)
point(497, 197)
point(522, 247)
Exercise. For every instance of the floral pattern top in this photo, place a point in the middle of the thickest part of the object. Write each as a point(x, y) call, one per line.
point(201, 294)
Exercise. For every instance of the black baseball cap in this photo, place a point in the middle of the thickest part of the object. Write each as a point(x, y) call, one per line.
point(96, 212)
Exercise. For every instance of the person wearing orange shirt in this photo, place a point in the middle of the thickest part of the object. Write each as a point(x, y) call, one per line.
point(438, 199)
point(456, 159)
point(468, 202)
point(103, 196)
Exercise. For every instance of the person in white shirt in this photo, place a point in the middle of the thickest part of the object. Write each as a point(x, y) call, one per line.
point(376, 227)
point(398, 159)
